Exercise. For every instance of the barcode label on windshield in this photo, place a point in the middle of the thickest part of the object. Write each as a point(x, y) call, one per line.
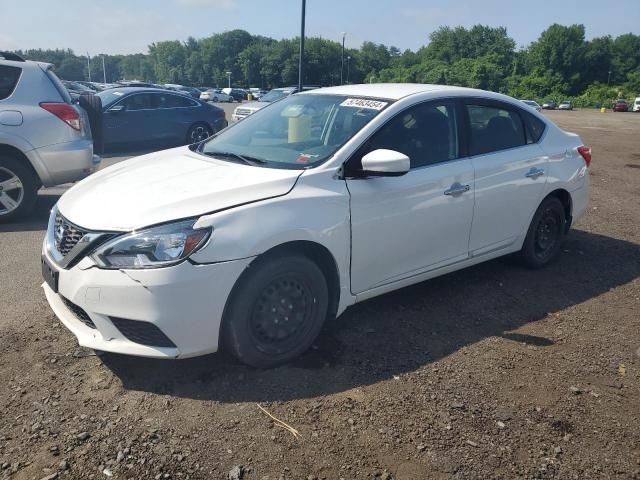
point(363, 103)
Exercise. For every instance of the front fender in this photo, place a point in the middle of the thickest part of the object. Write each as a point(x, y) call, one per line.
point(316, 210)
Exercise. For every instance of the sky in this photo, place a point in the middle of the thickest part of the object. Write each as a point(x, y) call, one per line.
point(129, 26)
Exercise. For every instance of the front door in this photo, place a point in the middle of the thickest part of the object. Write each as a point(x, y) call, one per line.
point(403, 226)
point(131, 122)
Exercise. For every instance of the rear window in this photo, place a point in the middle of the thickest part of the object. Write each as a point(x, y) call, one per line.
point(62, 90)
point(535, 127)
point(8, 80)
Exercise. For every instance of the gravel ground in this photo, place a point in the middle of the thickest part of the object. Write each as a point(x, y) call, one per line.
point(491, 372)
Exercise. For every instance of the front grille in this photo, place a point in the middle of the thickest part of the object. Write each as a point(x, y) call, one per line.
point(79, 313)
point(66, 235)
point(144, 333)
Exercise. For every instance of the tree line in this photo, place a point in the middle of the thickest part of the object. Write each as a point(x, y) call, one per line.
point(560, 64)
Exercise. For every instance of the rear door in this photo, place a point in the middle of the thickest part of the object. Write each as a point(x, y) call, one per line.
point(176, 113)
point(510, 173)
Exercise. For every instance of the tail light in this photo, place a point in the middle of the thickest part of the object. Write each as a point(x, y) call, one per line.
point(585, 153)
point(64, 112)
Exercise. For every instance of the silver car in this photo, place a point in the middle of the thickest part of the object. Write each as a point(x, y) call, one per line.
point(45, 139)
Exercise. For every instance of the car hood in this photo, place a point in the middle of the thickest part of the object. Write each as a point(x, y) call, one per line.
point(168, 185)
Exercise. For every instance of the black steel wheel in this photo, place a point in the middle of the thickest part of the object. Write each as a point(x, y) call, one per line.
point(545, 235)
point(276, 311)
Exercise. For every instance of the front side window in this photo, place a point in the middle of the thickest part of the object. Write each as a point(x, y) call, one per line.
point(8, 79)
point(426, 133)
point(493, 129)
point(299, 131)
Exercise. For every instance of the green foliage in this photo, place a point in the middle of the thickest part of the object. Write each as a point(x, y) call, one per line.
point(559, 65)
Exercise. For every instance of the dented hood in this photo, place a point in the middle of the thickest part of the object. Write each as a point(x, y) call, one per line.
point(168, 185)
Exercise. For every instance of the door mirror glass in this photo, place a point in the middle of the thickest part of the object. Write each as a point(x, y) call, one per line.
point(117, 108)
point(385, 163)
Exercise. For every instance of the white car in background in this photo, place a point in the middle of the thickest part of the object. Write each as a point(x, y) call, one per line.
point(215, 95)
point(253, 238)
point(533, 104)
point(636, 105)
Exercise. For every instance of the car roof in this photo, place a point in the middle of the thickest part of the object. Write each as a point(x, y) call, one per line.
point(139, 89)
point(392, 91)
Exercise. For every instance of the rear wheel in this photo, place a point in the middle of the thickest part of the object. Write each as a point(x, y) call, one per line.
point(276, 311)
point(545, 235)
point(18, 189)
point(198, 132)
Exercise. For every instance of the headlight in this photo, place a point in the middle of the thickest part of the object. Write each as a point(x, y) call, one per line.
point(152, 248)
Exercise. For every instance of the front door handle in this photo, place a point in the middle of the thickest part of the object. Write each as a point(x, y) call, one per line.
point(457, 189)
point(534, 173)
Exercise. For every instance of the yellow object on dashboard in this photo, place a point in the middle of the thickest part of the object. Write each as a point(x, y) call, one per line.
point(299, 128)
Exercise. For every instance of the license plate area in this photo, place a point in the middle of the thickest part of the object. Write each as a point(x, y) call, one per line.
point(49, 274)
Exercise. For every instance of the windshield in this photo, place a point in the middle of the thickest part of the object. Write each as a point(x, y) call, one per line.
point(275, 94)
point(297, 132)
point(110, 96)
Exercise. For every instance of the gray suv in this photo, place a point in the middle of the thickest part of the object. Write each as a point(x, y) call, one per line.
point(45, 139)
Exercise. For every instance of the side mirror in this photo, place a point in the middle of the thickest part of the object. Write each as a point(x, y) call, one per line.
point(117, 108)
point(385, 163)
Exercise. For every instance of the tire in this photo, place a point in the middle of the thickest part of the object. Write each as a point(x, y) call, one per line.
point(92, 104)
point(198, 132)
point(545, 235)
point(293, 288)
point(19, 189)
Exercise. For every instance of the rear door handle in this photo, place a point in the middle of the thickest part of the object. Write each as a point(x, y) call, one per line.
point(534, 173)
point(457, 189)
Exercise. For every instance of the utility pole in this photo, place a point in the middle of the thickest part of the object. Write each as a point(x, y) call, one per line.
point(89, 65)
point(609, 77)
point(229, 78)
point(348, 66)
point(344, 34)
point(104, 70)
point(301, 60)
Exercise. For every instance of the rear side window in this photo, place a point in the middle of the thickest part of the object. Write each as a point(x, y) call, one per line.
point(8, 80)
point(535, 127)
point(493, 129)
point(174, 101)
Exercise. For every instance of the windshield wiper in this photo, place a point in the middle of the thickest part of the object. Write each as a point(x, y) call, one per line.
point(243, 158)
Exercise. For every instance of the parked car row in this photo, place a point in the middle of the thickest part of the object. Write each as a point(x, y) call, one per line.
point(621, 105)
point(276, 94)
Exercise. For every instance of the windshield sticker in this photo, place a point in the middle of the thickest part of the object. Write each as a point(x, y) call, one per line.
point(364, 103)
point(305, 157)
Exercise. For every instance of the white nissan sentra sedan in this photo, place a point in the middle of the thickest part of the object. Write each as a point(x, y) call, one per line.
point(250, 240)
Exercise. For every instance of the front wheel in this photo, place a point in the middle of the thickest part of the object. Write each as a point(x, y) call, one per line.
point(198, 133)
point(18, 189)
point(276, 311)
point(545, 235)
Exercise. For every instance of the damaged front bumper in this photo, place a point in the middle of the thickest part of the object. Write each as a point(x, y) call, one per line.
point(162, 313)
